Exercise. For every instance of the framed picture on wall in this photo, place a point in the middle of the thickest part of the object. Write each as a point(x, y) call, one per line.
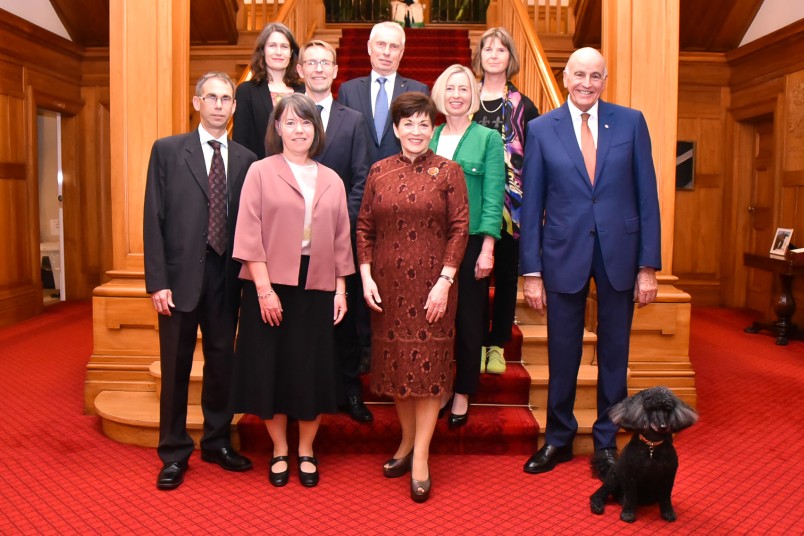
point(685, 165)
point(781, 241)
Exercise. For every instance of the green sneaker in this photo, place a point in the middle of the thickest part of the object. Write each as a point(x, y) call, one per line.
point(496, 363)
point(482, 359)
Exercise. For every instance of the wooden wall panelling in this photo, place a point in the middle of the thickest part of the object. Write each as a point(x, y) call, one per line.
point(87, 21)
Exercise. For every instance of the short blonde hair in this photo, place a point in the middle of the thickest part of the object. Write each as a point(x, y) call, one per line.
point(440, 88)
point(505, 40)
point(318, 43)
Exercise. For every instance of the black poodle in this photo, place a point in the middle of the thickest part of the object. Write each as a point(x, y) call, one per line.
point(646, 469)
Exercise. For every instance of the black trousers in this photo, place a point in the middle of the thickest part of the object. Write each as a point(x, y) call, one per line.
point(177, 339)
point(348, 343)
point(506, 279)
point(471, 319)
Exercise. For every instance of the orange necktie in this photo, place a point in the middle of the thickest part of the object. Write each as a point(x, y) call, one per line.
point(588, 147)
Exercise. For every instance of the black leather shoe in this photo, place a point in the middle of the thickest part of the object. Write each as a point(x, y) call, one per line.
point(456, 421)
point(278, 479)
point(227, 458)
point(602, 462)
point(171, 476)
point(546, 459)
point(357, 409)
point(308, 480)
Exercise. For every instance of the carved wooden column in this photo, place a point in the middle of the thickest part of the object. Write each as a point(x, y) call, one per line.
point(149, 54)
point(640, 44)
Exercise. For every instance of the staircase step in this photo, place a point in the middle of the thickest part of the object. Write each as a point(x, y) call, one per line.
point(133, 418)
point(583, 444)
point(534, 345)
point(586, 390)
point(490, 430)
point(196, 378)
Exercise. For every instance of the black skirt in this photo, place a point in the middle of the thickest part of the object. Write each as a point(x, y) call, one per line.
point(289, 369)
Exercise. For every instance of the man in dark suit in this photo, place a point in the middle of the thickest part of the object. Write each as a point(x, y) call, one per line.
point(372, 95)
point(346, 151)
point(590, 210)
point(191, 199)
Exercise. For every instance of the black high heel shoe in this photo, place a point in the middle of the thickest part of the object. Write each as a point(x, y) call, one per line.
point(396, 467)
point(456, 421)
point(308, 480)
point(425, 485)
point(278, 479)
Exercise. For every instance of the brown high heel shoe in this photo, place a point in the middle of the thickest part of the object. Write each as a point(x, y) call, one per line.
point(425, 485)
point(396, 467)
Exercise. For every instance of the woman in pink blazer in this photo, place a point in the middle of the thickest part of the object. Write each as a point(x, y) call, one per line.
point(292, 237)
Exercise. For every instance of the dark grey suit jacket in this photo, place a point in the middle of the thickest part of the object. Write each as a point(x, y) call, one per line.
point(176, 217)
point(356, 94)
point(254, 107)
point(347, 152)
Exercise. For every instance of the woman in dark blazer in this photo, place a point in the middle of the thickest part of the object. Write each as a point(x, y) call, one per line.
point(273, 75)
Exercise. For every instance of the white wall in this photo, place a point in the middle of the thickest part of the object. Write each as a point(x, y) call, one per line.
point(773, 14)
point(39, 12)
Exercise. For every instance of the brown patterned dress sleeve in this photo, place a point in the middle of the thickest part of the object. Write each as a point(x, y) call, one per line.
point(457, 215)
point(366, 229)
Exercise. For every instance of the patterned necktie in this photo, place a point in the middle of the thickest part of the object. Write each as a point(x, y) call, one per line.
point(588, 147)
point(216, 233)
point(380, 109)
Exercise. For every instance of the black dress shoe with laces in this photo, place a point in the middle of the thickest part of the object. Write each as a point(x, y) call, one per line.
point(227, 458)
point(171, 476)
point(546, 459)
point(357, 409)
point(602, 462)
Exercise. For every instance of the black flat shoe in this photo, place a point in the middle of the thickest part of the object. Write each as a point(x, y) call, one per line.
point(308, 480)
point(278, 479)
point(228, 458)
point(396, 467)
point(456, 421)
point(171, 476)
point(424, 485)
point(546, 458)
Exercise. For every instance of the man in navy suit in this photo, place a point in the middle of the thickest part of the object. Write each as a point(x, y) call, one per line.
point(385, 47)
point(345, 151)
point(590, 211)
point(192, 194)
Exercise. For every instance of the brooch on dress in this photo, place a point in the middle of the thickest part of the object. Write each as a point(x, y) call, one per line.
point(433, 171)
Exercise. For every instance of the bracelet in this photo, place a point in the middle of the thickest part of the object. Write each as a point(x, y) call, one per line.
point(487, 256)
point(263, 296)
point(447, 278)
point(341, 293)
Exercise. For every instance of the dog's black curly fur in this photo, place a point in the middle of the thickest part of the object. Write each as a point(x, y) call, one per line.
point(640, 476)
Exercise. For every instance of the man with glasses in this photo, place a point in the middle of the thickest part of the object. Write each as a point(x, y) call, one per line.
point(346, 152)
point(192, 195)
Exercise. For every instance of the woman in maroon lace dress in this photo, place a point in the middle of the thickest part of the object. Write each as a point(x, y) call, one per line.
point(411, 235)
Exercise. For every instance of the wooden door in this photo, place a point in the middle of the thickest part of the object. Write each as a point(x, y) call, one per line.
point(762, 212)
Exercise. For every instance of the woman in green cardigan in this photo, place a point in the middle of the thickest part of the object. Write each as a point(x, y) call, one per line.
point(479, 151)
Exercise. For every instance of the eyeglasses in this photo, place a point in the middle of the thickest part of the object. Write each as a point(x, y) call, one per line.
point(313, 64)
point(212, 100)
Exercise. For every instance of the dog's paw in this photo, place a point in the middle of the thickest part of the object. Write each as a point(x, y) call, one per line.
point(669, 515)
point(628, 517)
point(597, 506)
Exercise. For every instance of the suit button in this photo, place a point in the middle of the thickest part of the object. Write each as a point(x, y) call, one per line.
point(592, 233)
point(474, 170)
point(594, 200)
point(201, 259)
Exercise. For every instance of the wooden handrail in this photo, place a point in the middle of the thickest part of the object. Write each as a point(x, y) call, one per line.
point(535, 78)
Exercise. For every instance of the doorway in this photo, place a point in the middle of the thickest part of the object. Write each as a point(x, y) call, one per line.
point(51, 217)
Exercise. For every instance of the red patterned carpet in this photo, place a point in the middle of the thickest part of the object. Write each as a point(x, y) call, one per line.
point(740, 465)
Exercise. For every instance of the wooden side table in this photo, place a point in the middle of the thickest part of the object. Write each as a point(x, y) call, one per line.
point(785, 304)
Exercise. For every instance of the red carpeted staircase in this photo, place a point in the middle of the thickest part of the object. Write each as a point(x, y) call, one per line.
point(500, 421)
point(428, 51)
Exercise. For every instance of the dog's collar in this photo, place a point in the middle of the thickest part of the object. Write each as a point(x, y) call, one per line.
point(651, 444)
